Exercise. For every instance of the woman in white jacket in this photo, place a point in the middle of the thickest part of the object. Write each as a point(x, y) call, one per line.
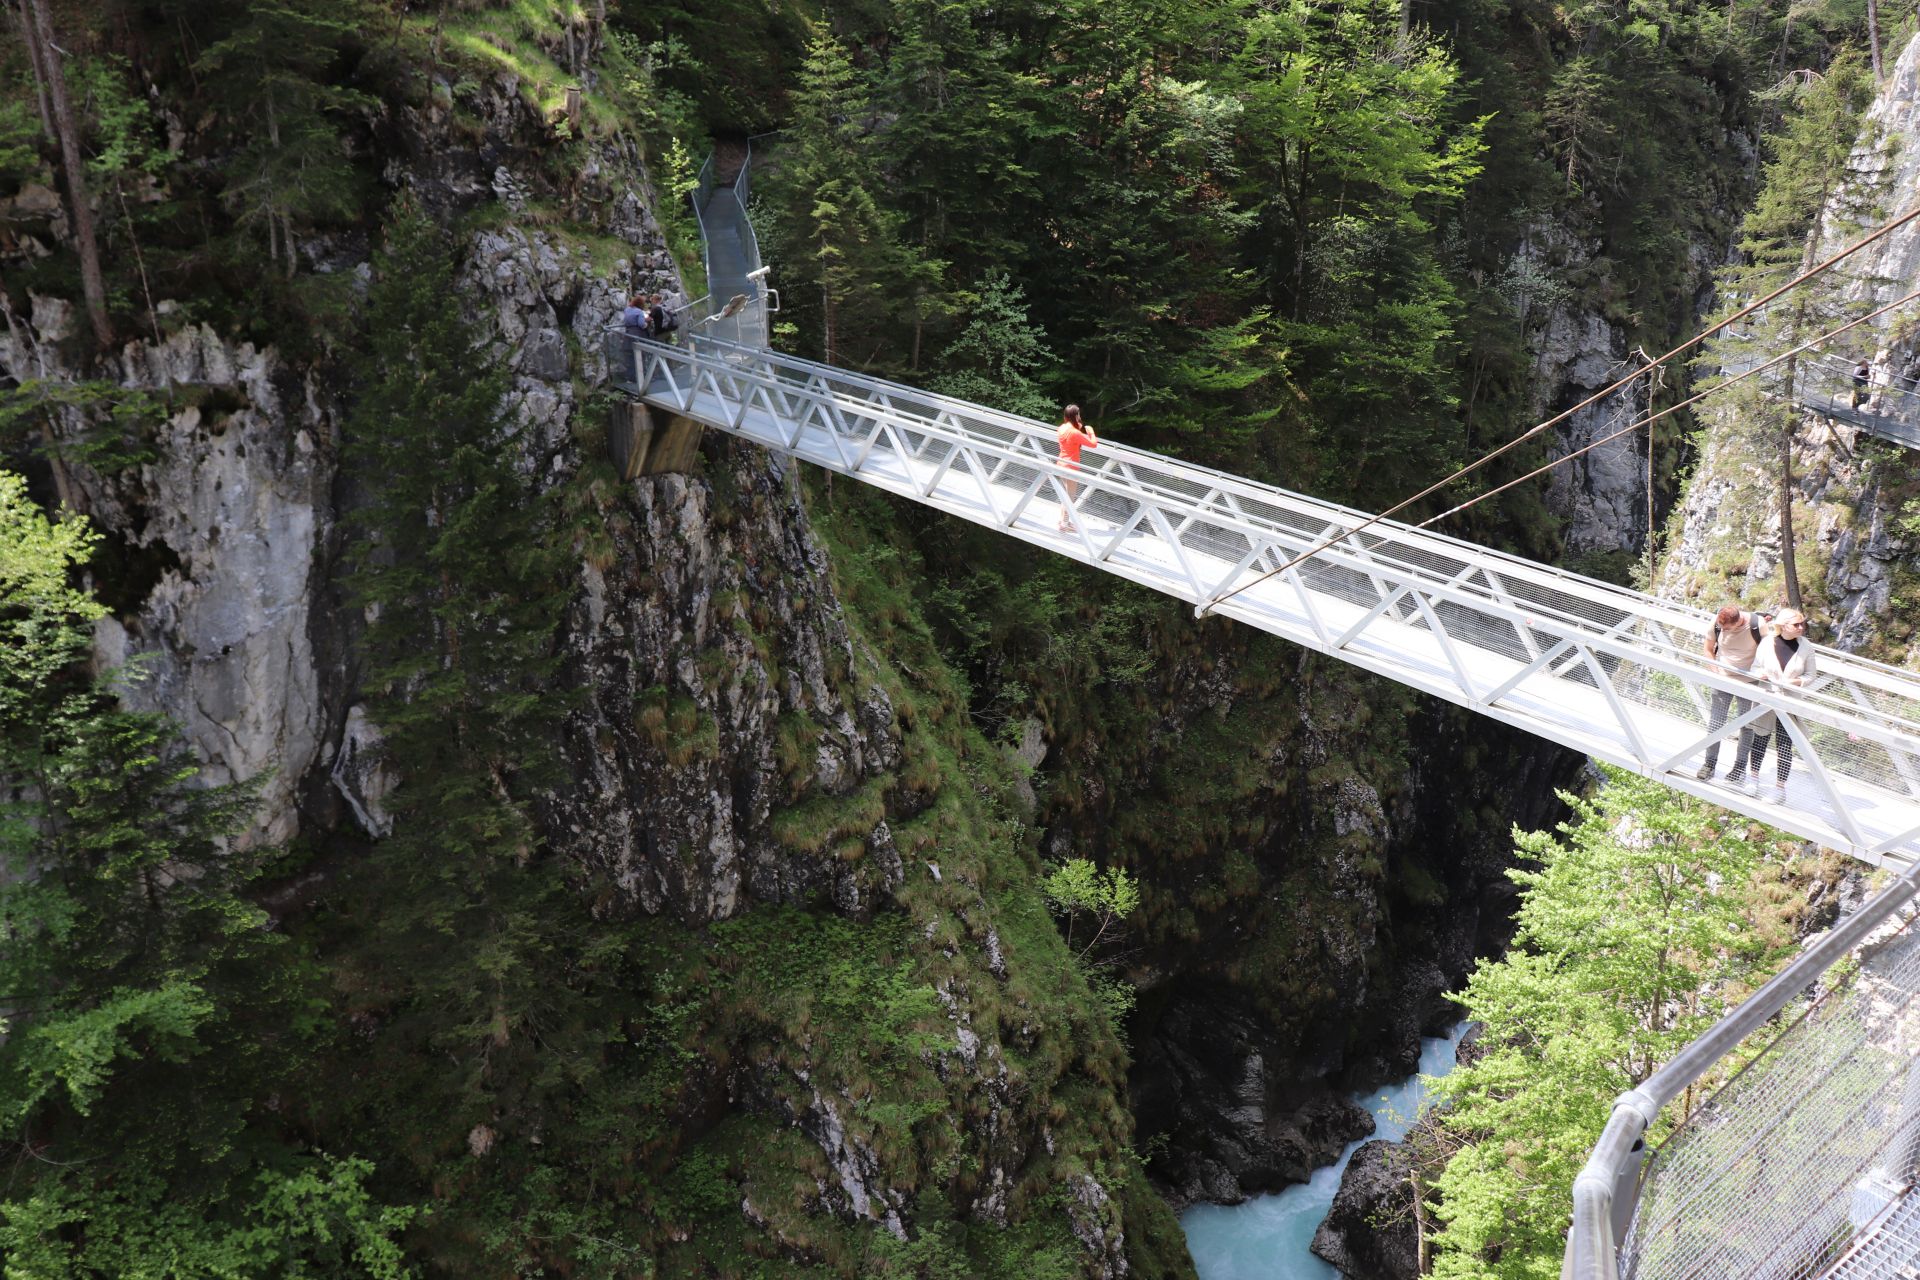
point(1786, 660)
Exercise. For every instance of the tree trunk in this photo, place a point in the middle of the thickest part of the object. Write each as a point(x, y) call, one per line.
point(39, 74)
point(1792, 573)
point(40, 32)
point(826, 324)
point(1421, 1232)
point(1873, 36)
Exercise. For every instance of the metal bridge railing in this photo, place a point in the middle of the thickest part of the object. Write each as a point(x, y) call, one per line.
point(1595, 667)
point(1823, 382)
point(1799, 1158)
point(737, 303)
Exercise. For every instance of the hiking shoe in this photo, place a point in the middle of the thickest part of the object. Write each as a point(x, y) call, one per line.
point(1750, 788)
point(1705, 771)
point(1736, 776)
point(1780, 795)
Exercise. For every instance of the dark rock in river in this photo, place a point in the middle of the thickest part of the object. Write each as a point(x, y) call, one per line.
point(1371, 1232)
point(1246, 1128)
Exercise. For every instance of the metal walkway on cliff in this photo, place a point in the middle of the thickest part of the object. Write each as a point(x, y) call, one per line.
point(1823, 383)
point(1601, 669)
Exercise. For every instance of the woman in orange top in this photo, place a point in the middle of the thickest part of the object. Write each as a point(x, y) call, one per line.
point(1074, 436)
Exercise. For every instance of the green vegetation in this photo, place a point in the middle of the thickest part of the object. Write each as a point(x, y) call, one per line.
point(1311, 243)
point(1639, 928)
point(151, 1017)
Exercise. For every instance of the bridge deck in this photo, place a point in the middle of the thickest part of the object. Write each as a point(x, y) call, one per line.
point(1595, 667)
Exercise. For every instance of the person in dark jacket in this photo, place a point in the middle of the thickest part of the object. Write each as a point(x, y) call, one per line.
point(664, 321)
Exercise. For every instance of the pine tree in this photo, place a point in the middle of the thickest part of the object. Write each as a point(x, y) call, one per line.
point(1000, 357)
point(955, 150)
point(467, 945)
point(871, 286)
point(47, 58)
point(272, 80)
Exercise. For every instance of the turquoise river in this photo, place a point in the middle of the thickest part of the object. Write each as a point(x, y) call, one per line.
point(1267, 1237)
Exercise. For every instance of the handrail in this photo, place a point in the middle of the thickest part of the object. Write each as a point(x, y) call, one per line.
point(1603, 1193)
point(1825, 384)
point(735, 229)
point(742, 187)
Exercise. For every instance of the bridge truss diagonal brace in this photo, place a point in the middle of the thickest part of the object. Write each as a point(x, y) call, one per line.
point(1804, 749)
point(1605, 682)
point(1727, 729)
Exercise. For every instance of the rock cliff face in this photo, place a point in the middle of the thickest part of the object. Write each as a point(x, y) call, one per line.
point(1852, 494)
point(722, 687)
point(230, 514)
point(228, 536)
point(1309, 946)
point(1578, 350)
point(1602, 494)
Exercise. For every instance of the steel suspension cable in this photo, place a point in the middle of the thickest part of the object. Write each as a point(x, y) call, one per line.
point(1204, 606)
point(1653, 418)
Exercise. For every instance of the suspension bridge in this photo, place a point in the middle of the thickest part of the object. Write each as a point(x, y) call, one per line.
point(1614, 673)
point(1804, 1165)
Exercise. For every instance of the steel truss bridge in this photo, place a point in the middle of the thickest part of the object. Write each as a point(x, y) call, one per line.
point(1614, 673)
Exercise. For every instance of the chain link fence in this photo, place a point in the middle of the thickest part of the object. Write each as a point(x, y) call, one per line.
point(1800, 1163)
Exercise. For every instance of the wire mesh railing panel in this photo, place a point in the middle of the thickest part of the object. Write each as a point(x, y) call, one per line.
point(1783, 1169)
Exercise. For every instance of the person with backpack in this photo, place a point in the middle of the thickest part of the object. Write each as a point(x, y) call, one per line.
point(1862, 378)
point(1074, 436)
point(1786, 660)
point(1732, 644)
point(664, 321)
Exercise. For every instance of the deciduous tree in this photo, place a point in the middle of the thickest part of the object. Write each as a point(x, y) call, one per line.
point(1635, 932)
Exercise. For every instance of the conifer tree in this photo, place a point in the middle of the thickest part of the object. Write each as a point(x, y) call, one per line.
point(870, 285)
point(44, 49)
point(1811, 202)
point(1357, 145)
point(1000, 357)
point(957, 147)
point(272, 81)
point(468, 939)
